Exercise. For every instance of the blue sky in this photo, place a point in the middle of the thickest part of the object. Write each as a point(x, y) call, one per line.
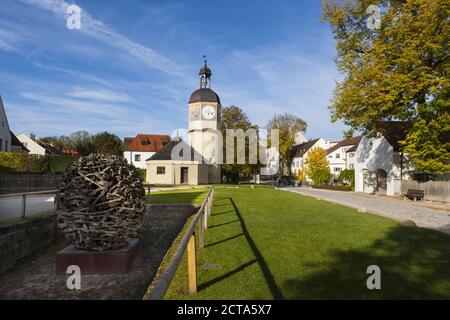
point(133, 65)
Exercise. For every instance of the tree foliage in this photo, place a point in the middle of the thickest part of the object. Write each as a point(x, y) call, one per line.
point(85, 143)
point(317, 166)
point(397, 72)
point(233, 117)
point(289, 126)
point(347, 177)
point(107, 143)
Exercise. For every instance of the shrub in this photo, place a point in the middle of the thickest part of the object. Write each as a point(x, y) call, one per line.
point(143, 173)
point(347, 177)
point(334, 187)
point(59, 164)
point(11, 163)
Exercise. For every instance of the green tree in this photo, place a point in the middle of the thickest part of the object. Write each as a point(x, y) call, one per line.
point(397, 72)
point(107, 143)
point(61, 142)
point(82, 142)
point(233, 117)
point(347, 177)
point(289, 126)
point(317, 166)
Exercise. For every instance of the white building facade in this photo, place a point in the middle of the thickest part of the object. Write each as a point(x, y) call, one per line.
point(139, 149)
point(30, 143)
point(380, 165)
point(5, 133)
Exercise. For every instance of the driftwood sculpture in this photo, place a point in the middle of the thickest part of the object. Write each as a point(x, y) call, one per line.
point(100, 203)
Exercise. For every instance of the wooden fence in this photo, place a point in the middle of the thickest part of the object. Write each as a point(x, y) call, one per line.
point(434, 190)
point(188, 242)
point(20, 183)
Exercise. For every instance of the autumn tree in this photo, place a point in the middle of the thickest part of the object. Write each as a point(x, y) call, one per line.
point(233, 117)
point(397, 70)
point(317, 166)
point(289, 126)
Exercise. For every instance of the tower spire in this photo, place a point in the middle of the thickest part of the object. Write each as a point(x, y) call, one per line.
point(205, 75)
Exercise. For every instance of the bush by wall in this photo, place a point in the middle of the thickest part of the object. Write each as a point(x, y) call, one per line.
point(12, 163)
point(143, 173)
point(334, 187)
point(59, 164)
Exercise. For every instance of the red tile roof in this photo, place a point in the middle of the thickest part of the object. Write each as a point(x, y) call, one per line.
point(146, 142)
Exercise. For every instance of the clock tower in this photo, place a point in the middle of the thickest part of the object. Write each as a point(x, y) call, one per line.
point(204, 117)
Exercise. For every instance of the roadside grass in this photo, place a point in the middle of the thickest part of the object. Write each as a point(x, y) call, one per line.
point(33, 216)
point(183, 196)
point(270, 244)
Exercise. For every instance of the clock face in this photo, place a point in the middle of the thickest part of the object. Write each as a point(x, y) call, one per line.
point(208, 112)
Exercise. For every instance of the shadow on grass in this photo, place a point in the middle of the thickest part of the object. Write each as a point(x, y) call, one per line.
point(222, 224)
point(226, 275)
point(224, 240)
point(414, 263)
point(221, 213)
point(274, 289)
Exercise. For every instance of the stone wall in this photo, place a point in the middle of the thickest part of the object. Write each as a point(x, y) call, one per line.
point(18, 241)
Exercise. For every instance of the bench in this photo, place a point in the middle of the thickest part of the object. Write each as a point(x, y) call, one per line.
point(414, 194)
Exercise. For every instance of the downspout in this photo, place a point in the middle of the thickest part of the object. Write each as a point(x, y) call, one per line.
point(401, 165)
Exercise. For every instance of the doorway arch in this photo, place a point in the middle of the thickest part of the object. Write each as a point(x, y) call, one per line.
point(381, 182)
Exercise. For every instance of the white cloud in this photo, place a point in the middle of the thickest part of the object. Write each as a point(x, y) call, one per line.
point(8, 40)
point(98, 30)
point(101, 95)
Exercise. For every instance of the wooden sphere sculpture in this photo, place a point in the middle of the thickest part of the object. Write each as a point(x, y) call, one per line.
point(100, 204)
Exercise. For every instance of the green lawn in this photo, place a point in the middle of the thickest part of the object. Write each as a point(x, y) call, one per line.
point(185, 196)
point(274, 244)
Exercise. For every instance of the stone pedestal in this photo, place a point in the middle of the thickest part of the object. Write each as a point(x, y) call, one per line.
point(117, 261)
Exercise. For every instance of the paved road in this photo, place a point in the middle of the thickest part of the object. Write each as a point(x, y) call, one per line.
point(392, 208)
point(11, 207)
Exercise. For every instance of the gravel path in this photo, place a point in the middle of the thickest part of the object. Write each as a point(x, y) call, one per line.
point(35, 278)
point(392, 208)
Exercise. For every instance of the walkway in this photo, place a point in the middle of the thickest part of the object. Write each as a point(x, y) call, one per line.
point(385, 206)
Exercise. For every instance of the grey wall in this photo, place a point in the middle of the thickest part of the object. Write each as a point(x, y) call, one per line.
point(18, 241)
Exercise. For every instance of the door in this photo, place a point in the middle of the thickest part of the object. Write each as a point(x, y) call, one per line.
point(381, 182)
point(184, 175)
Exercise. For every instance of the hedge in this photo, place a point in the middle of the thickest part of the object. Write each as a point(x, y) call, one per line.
point(334, 187)
point(11, 163)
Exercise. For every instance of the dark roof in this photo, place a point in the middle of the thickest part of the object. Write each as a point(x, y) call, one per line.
point(16, 142)
point(49, 148)
point(166, 152)
point(300, 149)
point(354, 141)
point(353, 149)
point(204, 95)
point(394, 131)
point(146, 142)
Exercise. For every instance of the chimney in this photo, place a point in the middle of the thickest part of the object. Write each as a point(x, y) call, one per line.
point(33, 136)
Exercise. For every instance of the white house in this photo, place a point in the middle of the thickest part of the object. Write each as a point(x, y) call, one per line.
point(36, 146)
point(5, 133)
point(139, 149)
point(301, 151)
point(338, 158)
point(380, 165)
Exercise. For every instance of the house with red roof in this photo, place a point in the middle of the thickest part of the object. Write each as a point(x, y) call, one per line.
point(139, 149)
